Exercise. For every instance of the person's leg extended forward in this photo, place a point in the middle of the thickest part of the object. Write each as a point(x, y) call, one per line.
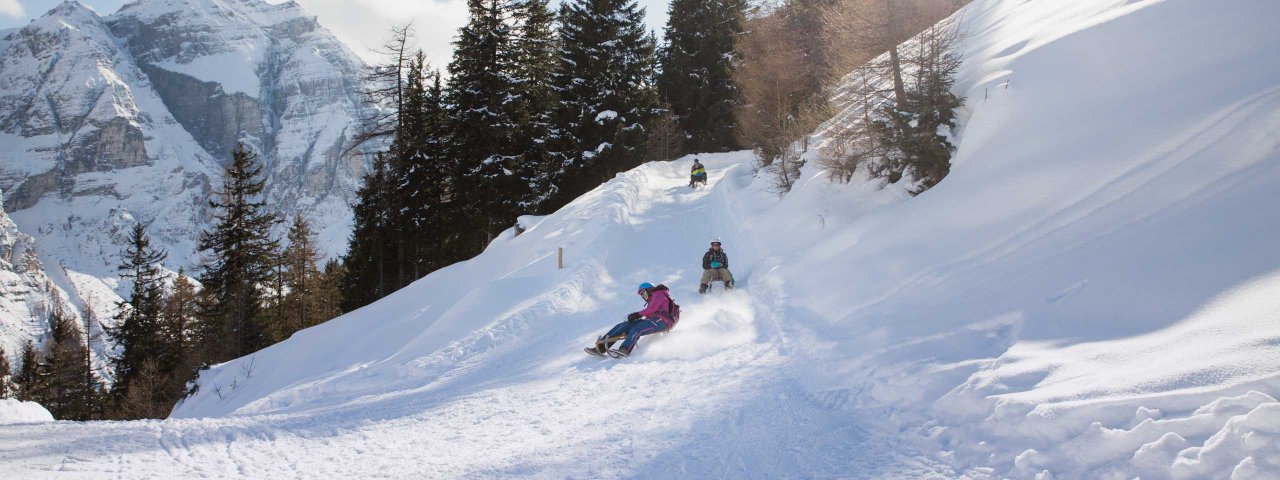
point(641, 328)
point(618, 332)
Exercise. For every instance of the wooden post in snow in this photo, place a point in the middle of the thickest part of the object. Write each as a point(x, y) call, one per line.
point(560, 258)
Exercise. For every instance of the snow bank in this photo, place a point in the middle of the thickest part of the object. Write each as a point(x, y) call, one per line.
point(1093, 281)
point(14, 411)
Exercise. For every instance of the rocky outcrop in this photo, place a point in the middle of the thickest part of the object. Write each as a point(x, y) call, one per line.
point(219, 121)
point(66, 93)
point(35, 187)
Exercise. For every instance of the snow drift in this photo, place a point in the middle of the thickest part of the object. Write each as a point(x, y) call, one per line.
point(1092, 293)
point(13, 411)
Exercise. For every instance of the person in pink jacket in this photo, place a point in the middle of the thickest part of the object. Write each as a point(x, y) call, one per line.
point(659, 315)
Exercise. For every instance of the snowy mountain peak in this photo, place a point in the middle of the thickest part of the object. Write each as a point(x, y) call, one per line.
point(111, 120)
point(70, 8)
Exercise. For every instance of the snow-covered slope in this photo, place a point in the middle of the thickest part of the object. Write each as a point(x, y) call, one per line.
point(108, 121)
point(1092, 293)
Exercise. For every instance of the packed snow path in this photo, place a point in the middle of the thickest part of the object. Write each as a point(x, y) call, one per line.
point(519, 397)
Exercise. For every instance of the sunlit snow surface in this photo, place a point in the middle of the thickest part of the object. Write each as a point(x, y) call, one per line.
point(1092, 293)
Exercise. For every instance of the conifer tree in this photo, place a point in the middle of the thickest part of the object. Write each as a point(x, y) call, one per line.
point(67, 395)
point(31, 384)
point(482, 95)
point(698, 62)
point(908, 130)
point(368, 250)
point(423, 177)
point(274, 305)
point(607, 99)
point(535, 98)
point(6, 380)
point(98, 403)
point(329, 292)
point(302, 279)
point(238, 263)
point(178, 320)
point(138, 332)
point(404, 156)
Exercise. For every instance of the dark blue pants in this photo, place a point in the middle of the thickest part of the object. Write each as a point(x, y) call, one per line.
point(631, 332)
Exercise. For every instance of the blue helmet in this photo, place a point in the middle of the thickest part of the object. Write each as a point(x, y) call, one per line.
point(644, 286)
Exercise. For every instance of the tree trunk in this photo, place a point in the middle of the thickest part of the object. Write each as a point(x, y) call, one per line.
point(899, 89)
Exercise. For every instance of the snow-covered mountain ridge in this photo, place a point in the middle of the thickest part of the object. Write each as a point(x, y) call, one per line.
point(111, 120)
point(1093, 292)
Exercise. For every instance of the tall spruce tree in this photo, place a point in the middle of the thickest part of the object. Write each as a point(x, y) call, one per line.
point(67, 395)
point(238, 263)
point(424, 175)
point(607, 98)
point(406, 148)
point(371, 247)
point(31, 384)
point(138, 332)
point(482, 95)
point(698, 61)
point(535, 99)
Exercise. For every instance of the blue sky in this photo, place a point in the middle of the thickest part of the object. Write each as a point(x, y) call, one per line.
point(360, 23)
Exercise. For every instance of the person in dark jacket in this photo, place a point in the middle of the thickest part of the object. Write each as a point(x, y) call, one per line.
point(697, 174)
point(659, 315)
point(715, 268)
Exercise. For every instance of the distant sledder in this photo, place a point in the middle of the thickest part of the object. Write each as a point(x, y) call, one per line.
point(715, 268)
point(697, 175)
point(660, 314)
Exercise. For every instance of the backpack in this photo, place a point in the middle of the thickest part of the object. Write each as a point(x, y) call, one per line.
point(673, 309)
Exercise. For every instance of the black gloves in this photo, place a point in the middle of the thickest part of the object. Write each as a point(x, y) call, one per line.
point(633, 316)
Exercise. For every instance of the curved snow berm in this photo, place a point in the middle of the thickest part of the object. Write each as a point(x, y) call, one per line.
point(1094, 292)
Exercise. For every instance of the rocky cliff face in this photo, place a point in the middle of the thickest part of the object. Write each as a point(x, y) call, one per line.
point(27, 294)
point(110, 120)
point(66, 106)
point(267, 76)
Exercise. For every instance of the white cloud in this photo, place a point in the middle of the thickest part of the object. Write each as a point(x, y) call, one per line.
point(364, 24)
point(12, 9)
